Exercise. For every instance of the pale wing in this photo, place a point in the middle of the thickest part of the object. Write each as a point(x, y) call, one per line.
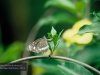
point(33, 46)
point(42, 46)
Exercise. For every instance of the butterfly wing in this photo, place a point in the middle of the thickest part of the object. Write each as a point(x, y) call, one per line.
point(33, 46)
point(38, 46)
point(42, 46)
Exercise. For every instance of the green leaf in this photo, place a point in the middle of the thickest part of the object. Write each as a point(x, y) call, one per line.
point(60, 34)
point(93, 28)
point(53, 32)
point(70, 68)
point(50, 35)
point(64, 17)
point(97, 15)
point(50, 73)
point(90, 54)
point(47, 65)
point(73, 49)
point(65, 4)
point(50, 46)
point(59, 17)
point(13, 52)
point(55, 39)
point(62, 45)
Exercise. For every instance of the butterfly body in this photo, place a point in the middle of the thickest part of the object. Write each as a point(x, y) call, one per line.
point(39, 46)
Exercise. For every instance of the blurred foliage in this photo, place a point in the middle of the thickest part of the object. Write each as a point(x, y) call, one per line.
point(91, 54)
point(70, 35)
point(62, 14)
point(77, 50)
point(70, 68)
point(12, 52)
point(97, 15)
point(47, 66)
point(73, 49)
point(93, 28)
point(62, 4)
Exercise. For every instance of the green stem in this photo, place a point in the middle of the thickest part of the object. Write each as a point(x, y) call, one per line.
point(51, 52)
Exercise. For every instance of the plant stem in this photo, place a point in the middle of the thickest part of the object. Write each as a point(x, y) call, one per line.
point(58, 57)
point(87, 9)
point(51, 52)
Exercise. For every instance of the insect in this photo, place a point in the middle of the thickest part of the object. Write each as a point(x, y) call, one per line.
point(39, 46)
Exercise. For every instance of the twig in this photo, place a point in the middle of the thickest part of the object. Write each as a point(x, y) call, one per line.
point(57, 57)
point(87, 9)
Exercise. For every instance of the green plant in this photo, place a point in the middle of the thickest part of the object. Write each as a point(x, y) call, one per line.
point(74, 10)
point(93, 28)
point(63, 67)
point(55, 39)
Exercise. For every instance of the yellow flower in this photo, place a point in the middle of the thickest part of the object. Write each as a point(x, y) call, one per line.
point(37, 70)
point(70, 37)
point(80, 23)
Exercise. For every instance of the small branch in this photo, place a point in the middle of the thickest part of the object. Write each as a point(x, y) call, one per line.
point(57, 57)
point(87, 9)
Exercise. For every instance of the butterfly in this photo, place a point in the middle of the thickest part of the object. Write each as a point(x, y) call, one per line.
point(39, 46)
